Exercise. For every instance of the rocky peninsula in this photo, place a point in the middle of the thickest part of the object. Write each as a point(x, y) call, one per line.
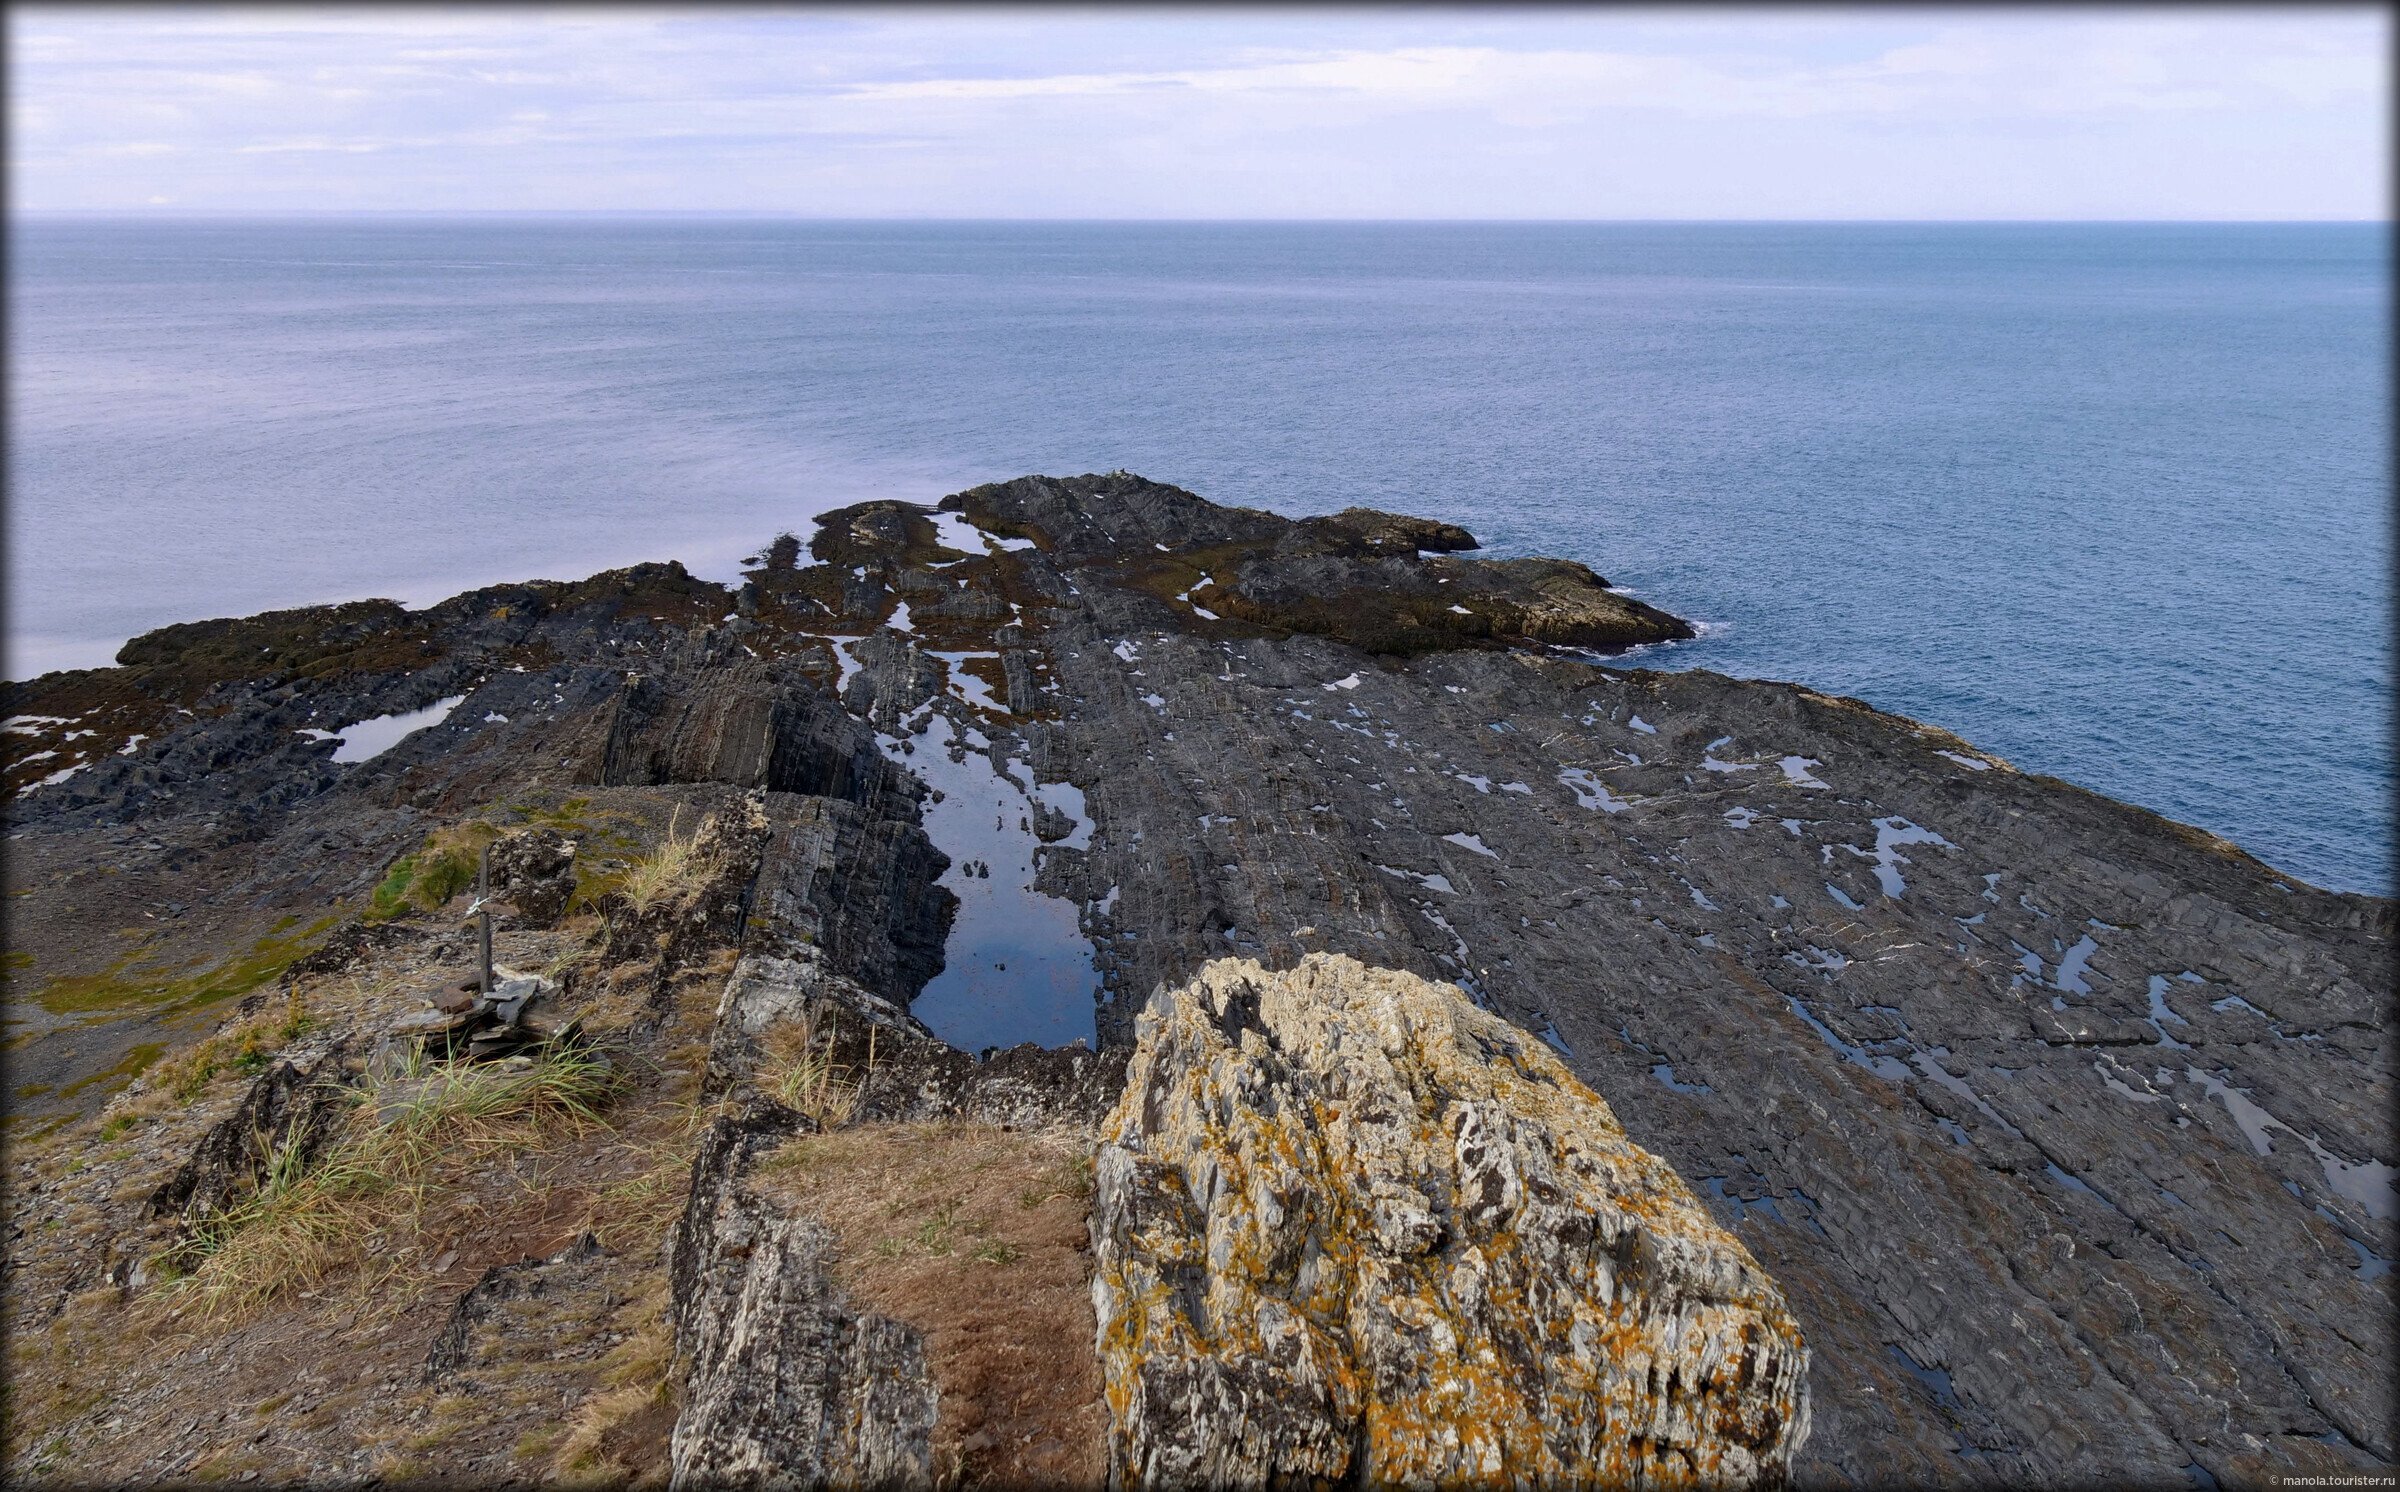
point(1084, 985)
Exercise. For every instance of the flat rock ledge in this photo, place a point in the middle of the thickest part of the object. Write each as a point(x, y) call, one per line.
point(1350, 1229)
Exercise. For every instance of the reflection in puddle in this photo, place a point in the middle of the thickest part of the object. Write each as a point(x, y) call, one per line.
point(1932, 1061)
point(2371, 1265)
point(1891, 1069)
point(1742, 1206)
point(1017, 967)
point(1550, 1034)
point(970, 687)
point(1795, 771)
point(2072, 963)
point(1665, 1073)
point(1890, 835)
point(369, 739)
point(2161, 1013)
point(954, 533)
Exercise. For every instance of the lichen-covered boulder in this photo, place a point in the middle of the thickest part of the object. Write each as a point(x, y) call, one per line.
point(1349, 1228)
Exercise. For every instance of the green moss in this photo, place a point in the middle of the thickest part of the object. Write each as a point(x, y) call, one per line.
point(126, 984)
point(592, 888)
point(426, 879)
point(129, 1067)
point(245, 1049)
point(390, 897)
point(442, 878)
point(567, 817)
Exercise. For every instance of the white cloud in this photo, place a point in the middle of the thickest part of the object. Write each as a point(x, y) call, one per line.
point(305, 147)
point(1206, 113)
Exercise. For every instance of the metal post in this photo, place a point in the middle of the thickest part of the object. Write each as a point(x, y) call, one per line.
point(483, 894)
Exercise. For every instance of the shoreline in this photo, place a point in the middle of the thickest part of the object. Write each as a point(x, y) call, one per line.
point(1865, 1015)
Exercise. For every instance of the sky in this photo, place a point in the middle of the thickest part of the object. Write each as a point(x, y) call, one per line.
point(988, 112)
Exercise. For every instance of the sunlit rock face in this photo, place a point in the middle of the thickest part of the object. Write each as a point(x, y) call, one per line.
point(1350, 1228)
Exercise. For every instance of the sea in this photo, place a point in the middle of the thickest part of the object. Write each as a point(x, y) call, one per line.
point(2112, 501)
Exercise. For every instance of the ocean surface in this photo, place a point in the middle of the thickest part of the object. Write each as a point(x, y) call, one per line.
point(2111, 501)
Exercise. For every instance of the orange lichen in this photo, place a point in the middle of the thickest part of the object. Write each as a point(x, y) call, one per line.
point(1377, 1225)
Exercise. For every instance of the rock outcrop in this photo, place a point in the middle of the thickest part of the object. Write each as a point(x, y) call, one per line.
point(1351, 1230)
point(533, 872)
point(785, 1384)
point(2064, 1131)
point(1357, 575)
point(289, 1111)
point(481, 1323)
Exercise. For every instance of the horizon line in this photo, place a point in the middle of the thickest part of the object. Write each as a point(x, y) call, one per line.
point(17, 214)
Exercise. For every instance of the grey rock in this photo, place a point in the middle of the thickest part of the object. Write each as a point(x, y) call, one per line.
point(785, 1384)
point(534, 872)
point(765, 992)
point(2046, 1210)
point(466, 1338)
point(292, 1107)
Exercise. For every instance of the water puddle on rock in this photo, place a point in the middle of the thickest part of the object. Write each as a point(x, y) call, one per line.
point(368, 739)
point(1891, 834)
point(1890, 1069)
point(1591, 792)
point(1017, 966)
point(2370, 1183)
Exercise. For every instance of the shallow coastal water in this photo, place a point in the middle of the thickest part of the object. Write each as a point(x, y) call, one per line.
point(2109, 501)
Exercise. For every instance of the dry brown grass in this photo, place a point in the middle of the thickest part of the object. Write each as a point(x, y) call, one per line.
point(244, 1049)
point(670, 874)
point(796, 1065)
point(618, 1436)
point(420, 1130)
point(637, 1210)
point(976, 1236)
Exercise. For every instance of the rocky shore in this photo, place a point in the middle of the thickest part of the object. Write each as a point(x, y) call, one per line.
point(1084, 983)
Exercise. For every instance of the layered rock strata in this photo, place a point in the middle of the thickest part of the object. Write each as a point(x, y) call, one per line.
point(2066, 1131)
point(786, 1385)
point(1350, 1230)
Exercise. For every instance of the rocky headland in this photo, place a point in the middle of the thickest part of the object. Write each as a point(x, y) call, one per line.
point(1082, 984)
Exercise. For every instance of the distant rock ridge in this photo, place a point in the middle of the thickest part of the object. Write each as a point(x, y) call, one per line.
point(2062, 1133)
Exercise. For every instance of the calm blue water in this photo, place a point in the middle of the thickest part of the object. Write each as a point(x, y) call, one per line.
point(2111, 501)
